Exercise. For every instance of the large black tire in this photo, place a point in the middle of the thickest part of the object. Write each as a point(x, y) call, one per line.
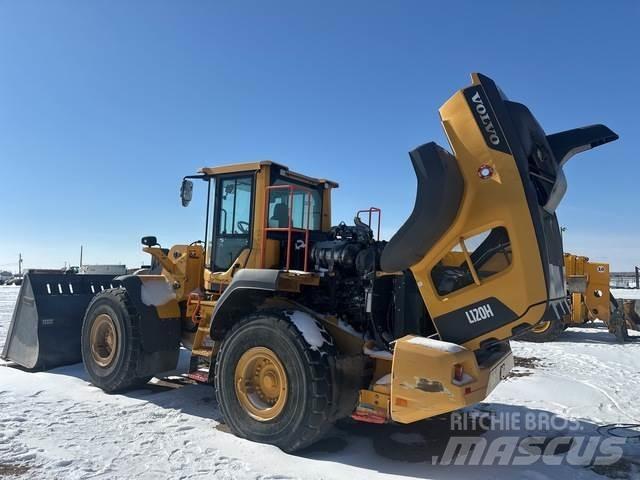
point(544, 332)
point(120, 374)
point(307, 413)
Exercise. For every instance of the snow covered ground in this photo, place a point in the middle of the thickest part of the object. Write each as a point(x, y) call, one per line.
point(626, 293)
point(56, 425)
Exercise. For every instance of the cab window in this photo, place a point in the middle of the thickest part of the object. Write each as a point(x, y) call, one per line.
point(233, 220)
point(489, 252)
point(306, 207)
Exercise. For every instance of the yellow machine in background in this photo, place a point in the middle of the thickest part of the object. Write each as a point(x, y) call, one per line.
point(588, 284)
point(299, 322)
point(590, 297)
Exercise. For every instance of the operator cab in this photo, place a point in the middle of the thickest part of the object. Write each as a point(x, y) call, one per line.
point(262, 215)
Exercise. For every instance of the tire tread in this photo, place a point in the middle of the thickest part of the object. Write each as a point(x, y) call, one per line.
point(128, 377)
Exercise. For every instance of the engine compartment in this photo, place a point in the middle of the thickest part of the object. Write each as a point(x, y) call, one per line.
point(380, 306)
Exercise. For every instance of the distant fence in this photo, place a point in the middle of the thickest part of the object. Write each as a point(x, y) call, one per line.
point(625, 279)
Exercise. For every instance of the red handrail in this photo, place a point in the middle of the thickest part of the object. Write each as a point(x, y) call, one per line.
point(290, 229)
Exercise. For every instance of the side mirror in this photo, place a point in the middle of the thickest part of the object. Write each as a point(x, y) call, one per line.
point(150, 241)
point(186, 191)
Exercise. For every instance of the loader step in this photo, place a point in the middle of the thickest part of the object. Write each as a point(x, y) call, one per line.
point(204, 352)
point(201, 375)
point(369, 418)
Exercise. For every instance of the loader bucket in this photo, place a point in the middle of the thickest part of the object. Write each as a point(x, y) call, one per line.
point(47, 320)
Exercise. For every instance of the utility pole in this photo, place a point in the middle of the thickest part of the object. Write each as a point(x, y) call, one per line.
point(80, 257)
point(562, 230)
point(637, 277)
point(20, 265)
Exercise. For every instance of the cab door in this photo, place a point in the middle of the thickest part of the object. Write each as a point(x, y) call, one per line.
point(233, 219)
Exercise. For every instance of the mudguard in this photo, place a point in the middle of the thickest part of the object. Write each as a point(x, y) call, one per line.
point(155, 301)
point(256, 284)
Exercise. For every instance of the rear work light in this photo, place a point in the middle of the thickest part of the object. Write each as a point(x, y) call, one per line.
point(458, 372)
point(459, 376)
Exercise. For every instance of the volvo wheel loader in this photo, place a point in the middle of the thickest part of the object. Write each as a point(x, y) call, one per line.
point(303, 322)
point(590, 298)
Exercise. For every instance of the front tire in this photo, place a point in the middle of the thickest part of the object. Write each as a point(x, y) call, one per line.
point(111, 345)
point(272, 386)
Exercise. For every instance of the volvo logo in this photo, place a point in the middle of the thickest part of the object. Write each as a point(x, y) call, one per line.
point(488, 125)
point(486, 118)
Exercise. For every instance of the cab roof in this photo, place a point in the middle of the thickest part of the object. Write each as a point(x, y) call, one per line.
point(255, 166)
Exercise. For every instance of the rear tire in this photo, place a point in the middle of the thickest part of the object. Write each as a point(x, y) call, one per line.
point(545, 331)
point(110, 343)
point(302, 412)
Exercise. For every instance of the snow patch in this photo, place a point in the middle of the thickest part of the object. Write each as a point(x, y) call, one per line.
point(437, 345)
point(8, 296)
point(310, 329)
point(626, 293)
point(345, 327)
point(382, 354)
point(62, 427)
point(156, 292)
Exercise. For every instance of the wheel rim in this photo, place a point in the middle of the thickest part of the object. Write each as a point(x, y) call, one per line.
point(261, 383)
point(104, 340)
point(541, 327)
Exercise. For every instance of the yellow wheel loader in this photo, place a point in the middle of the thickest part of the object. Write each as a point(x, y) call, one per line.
point(590, 299)
point(298, 322)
